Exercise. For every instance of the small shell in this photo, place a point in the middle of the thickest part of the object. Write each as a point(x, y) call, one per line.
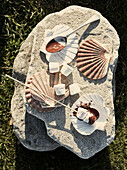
point(68, 53)
point(97, 103)
point(44, 83)
point(92, 60)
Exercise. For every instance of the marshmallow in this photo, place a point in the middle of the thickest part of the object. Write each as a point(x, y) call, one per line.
point(53, 67)
point(59, 89)
point(81, 114)
point(66, 70)
point(74, 88)
point(84, 114)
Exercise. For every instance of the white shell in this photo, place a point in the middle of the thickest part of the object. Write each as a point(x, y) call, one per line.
point(98, 104)
point(93, 59)
point(68, 53)
point(44, 83)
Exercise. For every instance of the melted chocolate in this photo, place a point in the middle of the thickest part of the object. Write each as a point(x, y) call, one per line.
point(95, 113)
point(95, 116)
point(54, 46)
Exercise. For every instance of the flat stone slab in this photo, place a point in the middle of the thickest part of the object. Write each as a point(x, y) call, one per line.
point(58, 122)
point(30, 130)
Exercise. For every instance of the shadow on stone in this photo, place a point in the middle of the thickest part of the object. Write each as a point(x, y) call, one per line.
point(90, 144)
point(99, 81)
point(35, 137)
point(19, 76)
point(43, 57)
point(73, 99)
point(86, 33)
point(53, 118)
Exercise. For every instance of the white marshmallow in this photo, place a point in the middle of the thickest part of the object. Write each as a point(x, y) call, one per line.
point(59, 89)
point(88, 115)
point(81, 114)
point(66, 70)
point(84, 114)
point(74, 88)
point(53, 67)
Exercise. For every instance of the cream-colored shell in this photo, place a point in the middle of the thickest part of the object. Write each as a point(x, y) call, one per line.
point(98, 104)
point(68, 53)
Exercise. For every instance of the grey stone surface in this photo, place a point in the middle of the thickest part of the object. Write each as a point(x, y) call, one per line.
point(58, 123)
point(30, 130)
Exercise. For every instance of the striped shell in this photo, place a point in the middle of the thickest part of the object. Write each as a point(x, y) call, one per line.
point(68, 53)
point(92, 59)
point(98, 104)
point(43, 82)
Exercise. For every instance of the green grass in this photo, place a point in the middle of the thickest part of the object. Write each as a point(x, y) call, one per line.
point(17, 19)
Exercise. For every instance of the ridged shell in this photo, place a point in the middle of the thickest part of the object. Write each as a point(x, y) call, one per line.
point(68, 53)
point(44, 82)
point(92, 59)
point(98, 104)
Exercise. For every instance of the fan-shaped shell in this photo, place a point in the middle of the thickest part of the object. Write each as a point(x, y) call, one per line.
point(43, 82)
point(98, 104)
point(92, 59)
point(68, 53)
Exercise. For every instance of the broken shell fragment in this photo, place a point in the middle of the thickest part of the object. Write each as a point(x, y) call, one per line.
point(93, 59)
point(92, 116)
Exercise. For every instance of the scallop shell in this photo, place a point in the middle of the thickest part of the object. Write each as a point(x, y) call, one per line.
point(68, 53)
point(93, 59)
point(44, 83)
point(98, 104)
